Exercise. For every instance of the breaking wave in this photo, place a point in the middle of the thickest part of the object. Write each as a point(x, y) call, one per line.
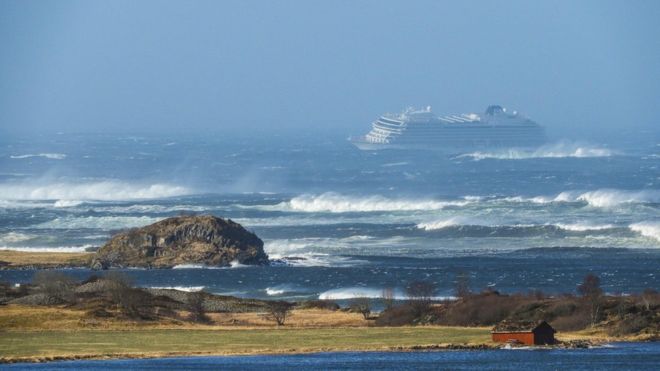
point(647, 229)
point(51, 156)
point(599, 198)
point(346, 293)
point(559, 150)
point(584, 227)
point(179, 288)
point(274, 291)
point(337, 203)
point(464, 227)
point(444, 223)
point(14, 237)
point(68, 193)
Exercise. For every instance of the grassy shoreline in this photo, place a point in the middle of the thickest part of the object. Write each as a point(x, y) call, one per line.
point(36, 346)
point(38, 334)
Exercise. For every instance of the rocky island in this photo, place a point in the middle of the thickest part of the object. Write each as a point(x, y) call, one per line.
point(204, 240)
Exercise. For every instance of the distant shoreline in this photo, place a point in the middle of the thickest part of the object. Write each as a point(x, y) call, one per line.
point(25, 260)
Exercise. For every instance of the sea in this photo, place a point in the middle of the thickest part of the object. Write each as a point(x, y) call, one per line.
point(338, 222)
point(616, 356)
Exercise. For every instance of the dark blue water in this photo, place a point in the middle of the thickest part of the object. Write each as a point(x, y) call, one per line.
point(341, 222)
point(619, 356)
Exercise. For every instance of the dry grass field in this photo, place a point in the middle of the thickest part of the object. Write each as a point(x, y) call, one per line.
point(18, 259)
point(42, 333)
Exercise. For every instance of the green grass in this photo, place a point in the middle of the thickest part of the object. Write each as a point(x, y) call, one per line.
point(98, 343)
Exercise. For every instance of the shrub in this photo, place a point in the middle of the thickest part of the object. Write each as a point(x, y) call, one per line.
point(319, 304)
point(399, 315)
point(629, 325)
point(56, 286)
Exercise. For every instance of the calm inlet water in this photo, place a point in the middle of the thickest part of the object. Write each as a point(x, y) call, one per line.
point(341, 222)
point(631, 356)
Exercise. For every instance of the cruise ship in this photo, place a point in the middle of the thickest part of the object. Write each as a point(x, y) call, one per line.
point(421, 129)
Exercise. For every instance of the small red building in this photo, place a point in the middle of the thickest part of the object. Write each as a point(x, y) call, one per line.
point(527, 332)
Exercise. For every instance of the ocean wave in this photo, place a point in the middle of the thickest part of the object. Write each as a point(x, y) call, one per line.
point(444, 223)
point(647, 229)
point(67, 203)
point(323, 252)
point(274, 292)
point(584, 227)
point(98, 222)
point(51, 156)
point(346, 293)
point(99, 191)
point(603, 198)
point(461, 226)
point(62, 249)
point(558, 150)
point(179, 288)
point(15, 237)
point(280, 290)
point(336, 203)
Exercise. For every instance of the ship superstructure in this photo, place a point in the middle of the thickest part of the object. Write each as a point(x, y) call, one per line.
point(421, 129)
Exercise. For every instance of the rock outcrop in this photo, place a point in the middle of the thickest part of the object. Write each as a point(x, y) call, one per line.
point(205, 240)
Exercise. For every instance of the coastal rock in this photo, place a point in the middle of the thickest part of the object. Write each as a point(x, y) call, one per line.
point(204, 240)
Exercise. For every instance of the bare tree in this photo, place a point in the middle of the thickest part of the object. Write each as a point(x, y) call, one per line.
point(117, 284)
point(462, 288)
point(57, 286)
point(195, 306)
point(592, 293)
point(419, 295)
point(648, 296)
point(361, 305)
point(278, 311)
point(387, 297)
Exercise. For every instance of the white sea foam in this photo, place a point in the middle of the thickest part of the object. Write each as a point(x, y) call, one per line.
point(237, 264)
point(189, 266)
point(47, 249)
point(179, 288)
point(51, 156)
point(98, 222)
point(337, 203)
point(558, 150)
point(101, 191)
point(647, 229)
point(67, 203)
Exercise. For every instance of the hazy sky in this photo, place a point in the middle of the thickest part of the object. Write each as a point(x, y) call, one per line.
point(136, 66)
